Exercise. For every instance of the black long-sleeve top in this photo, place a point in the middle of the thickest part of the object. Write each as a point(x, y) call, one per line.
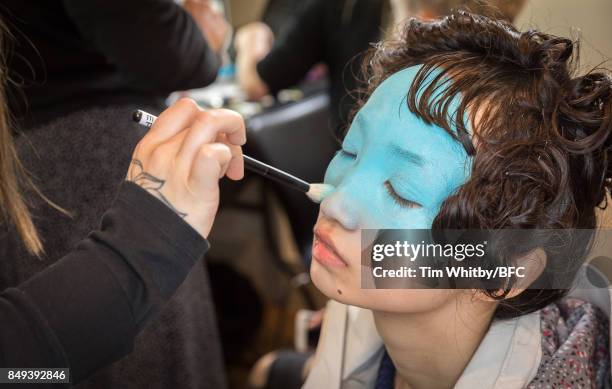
point(70, 54)
point(84, 311)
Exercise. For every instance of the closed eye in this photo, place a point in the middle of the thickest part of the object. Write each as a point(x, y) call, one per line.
point(399, 199)
point(348, 154)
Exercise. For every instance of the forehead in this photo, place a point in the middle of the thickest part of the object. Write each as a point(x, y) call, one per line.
point(386, 120)
point(391, 95)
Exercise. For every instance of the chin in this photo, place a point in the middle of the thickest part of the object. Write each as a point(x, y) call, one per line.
point(321, 278)
point(335, 287)
point(329, 283)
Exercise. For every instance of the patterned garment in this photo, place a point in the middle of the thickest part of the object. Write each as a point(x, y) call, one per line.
point(575, 347)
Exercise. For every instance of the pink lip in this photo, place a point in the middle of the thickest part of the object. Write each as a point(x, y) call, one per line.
point(324, 252)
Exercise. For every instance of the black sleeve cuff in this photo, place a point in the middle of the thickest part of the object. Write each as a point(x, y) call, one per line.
point(179, 234)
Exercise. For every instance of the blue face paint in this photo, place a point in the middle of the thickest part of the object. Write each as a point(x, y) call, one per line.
point(391, 161)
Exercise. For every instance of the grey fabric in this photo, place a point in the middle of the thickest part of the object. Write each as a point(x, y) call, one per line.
point(78, 162)
point(361, 378)
point(575, 346)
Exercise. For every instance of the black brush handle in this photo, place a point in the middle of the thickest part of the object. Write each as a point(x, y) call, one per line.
point(275, 174)
point(146, 119)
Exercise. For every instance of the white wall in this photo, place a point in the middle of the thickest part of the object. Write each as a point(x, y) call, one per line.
point(245, 11)
point(589, 20)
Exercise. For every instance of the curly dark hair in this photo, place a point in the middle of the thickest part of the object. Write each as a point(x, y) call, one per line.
point(542, 133)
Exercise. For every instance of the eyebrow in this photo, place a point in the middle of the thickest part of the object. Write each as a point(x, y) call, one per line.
point(408, 155)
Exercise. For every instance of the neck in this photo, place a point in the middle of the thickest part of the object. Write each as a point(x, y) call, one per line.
point(431, 349)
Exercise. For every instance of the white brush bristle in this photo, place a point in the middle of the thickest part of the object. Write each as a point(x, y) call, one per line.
point(318, 192)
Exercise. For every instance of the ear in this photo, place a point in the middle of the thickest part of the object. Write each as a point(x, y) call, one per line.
point(534, 263)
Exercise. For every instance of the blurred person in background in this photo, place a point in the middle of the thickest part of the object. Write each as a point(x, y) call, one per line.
point(77, 70)
point(68, 55)
point(336, 33)
point(319, 31)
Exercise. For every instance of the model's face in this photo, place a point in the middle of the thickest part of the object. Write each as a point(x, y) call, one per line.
point(394, 172)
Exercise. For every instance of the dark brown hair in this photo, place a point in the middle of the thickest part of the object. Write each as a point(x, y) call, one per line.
point(542, 133)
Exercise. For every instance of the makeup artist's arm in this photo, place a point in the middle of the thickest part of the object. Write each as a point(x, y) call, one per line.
point(84, 311)
point(157, 44)
point(299, 46)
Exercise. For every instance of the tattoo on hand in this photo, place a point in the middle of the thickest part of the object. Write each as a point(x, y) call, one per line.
point(151, 184)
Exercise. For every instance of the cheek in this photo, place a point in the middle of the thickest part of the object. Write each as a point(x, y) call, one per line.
point(346, 288)
point(344, 284)
point(336, 169)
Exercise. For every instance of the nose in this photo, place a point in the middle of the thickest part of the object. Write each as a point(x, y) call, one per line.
point(339, 207)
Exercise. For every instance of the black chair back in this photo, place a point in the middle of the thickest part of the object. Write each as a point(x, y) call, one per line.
point(296, 138)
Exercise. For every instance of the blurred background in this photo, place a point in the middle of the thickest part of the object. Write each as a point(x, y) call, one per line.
point(287, 66)
point(587, 19)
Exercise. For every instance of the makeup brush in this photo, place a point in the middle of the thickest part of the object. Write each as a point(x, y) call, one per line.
point(315, 192)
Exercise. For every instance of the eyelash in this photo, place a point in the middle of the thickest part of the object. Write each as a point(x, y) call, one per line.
point(347, 154)
point(399, 199)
